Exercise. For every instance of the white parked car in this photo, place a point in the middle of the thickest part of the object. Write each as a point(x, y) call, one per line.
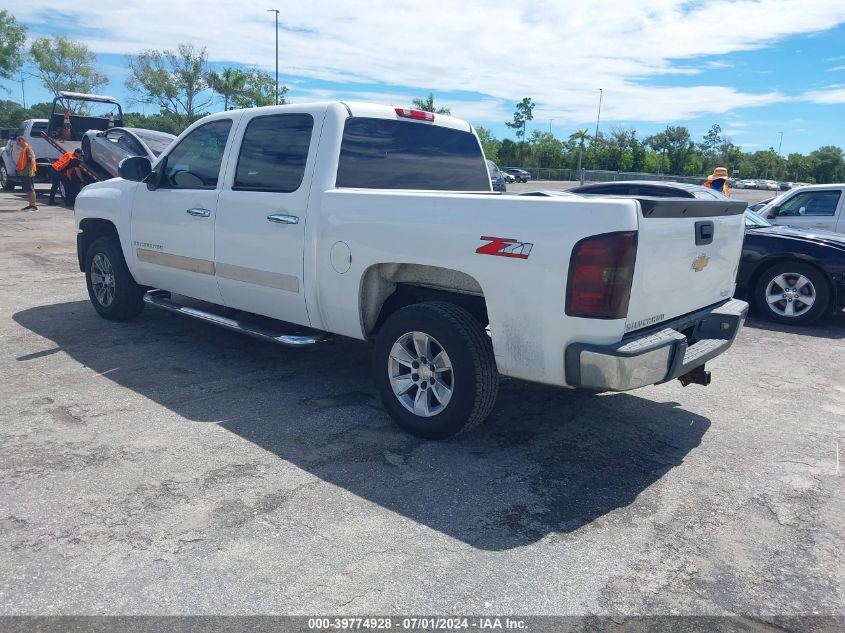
point(769, 185)
point(810, 207)
point(109, 147)
point(378, 223)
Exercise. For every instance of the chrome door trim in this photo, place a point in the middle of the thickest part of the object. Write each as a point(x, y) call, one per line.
point(201, 266)
point(279, 281)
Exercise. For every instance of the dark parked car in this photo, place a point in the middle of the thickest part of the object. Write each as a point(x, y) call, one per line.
point(497, 178)
point(792, 275)
point(649, 188)
point(520, 175)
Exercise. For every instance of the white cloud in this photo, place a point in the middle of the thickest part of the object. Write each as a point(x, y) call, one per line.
point(830, 96)
point(835, 68)
point(558, 53)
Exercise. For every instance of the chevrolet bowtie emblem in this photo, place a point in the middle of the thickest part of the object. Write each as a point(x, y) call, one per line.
point(700, 263)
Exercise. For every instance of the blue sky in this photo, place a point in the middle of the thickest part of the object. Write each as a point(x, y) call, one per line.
point(755, 67)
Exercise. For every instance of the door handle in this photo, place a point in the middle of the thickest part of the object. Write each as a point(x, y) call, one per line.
point(200, 213)
point(281, 218)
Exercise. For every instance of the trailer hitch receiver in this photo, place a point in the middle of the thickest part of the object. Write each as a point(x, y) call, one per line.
point(697, 376)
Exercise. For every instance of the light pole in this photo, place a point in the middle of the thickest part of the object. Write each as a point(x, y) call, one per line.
point(276, 11)
point(550, 125)
point(598, 117)
point(780, 142)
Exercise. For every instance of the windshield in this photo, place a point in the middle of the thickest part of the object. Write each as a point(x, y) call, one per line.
point(755, 221)
point(156, 142)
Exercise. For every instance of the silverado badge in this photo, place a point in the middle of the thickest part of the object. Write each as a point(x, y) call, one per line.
point(700, 263)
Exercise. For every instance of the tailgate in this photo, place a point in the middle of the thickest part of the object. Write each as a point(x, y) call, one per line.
point(687, 257)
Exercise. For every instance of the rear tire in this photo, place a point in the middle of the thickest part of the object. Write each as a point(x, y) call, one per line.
point(783, 292)
point(435, 370)
point(111, 288)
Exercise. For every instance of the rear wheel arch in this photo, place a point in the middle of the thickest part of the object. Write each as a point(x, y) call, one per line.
point(389, 287)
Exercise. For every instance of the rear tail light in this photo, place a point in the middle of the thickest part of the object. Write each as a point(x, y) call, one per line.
point(417, 115)
point(600, 275)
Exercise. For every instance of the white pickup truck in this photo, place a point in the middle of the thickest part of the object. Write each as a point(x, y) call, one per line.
point(378, 223)
point(810, 207)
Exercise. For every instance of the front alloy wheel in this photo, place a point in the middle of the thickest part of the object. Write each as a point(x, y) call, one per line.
point(102, 279)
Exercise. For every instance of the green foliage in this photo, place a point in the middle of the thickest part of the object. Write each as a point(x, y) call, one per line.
point(260, 90)
point(828, 164)
point(427, 105)
point(175, 81)
point(524, 112)
point(12, 38)
point(163, 121)
point(13, 113)
point(64, 64)
point(489, 143)
point(245, 88)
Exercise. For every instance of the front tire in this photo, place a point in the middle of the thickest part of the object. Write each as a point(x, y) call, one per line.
point(111, 288)
point(5, 182)
point(793, 293)
point(435, 370)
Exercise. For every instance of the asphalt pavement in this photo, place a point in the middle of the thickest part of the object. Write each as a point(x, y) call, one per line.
point(163, 466)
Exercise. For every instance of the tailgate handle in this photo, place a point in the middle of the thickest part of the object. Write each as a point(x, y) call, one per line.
point(703, 233)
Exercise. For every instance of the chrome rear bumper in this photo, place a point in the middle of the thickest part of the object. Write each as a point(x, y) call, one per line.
point(656, 356)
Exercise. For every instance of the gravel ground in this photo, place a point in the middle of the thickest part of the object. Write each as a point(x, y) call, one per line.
point(163, 466)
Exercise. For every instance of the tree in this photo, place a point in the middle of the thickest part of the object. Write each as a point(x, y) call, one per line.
point(508, 152)
point(829, 164)
point(12, 38)
point(64, 64)
point(172, 80)
point(523, 114)
point(489, 143)
point(260, 90)
point(712, 141)
point(427, 105)
point(228, 84)
point(580, 137)
point(675, 143)
point(11, 113)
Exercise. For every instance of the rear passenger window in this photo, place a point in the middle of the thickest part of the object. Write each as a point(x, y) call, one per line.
point(36, 130)
point(387, 154)
point(274, 152)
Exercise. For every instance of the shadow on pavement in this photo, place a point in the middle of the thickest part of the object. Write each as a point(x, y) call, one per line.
point(827, 327)
point(548, 461)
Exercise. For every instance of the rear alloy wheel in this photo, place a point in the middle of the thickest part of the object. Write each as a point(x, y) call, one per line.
point(792, 293)
point(435, 369)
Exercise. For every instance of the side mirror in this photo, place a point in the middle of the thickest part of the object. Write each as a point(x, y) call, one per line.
point(773, 211)
point(134, 168)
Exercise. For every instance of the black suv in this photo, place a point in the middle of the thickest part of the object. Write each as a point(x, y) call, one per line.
point(497, 178)
point(520, 174)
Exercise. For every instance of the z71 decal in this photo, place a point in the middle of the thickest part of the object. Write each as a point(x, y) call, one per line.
point(505, 247)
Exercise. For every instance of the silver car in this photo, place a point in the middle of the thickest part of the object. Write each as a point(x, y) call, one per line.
point(106, 149)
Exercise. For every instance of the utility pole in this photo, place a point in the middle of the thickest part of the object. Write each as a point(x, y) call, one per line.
point(23, 94)
point(550, 125)
point(598, 117)
point(780, 142)
point(276, 11)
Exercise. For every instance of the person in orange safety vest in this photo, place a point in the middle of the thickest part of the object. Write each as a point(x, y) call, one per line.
point(718, 180)
point(65, 169)
point(26, 172)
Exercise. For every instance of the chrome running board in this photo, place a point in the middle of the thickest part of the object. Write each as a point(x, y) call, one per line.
point(161, 299)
